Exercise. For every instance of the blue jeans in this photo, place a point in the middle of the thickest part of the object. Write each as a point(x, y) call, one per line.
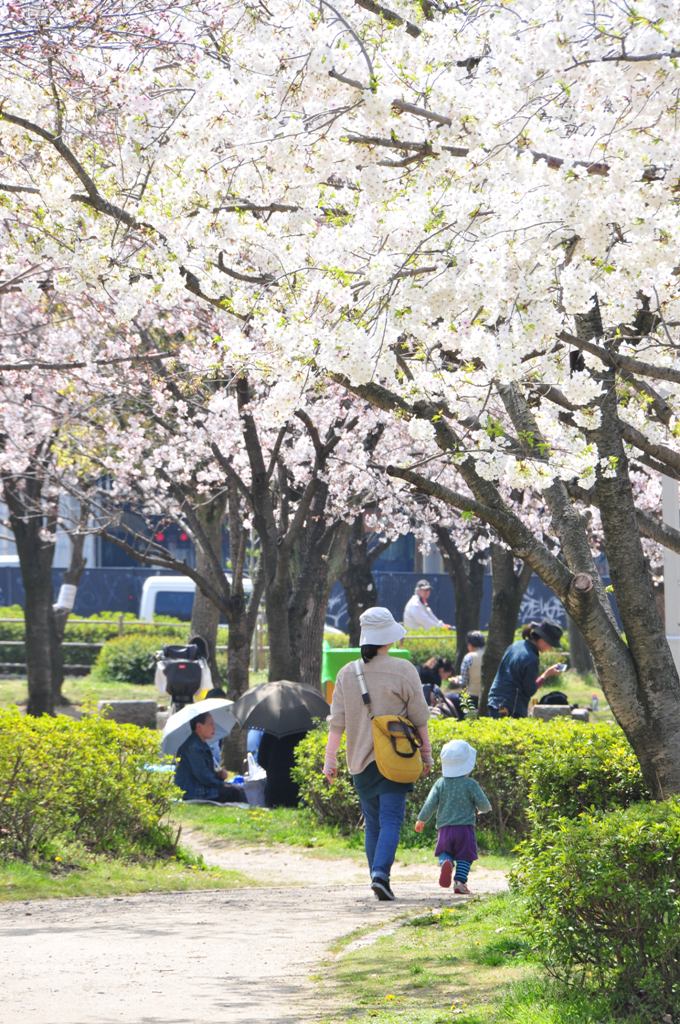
point(383, 817)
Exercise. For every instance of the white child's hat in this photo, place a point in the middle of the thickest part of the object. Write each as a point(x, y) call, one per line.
point(458, 758)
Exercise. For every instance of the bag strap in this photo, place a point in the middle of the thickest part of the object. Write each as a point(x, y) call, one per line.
point(365, 695)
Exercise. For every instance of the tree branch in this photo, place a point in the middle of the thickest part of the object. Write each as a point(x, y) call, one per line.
point(621, 362)
point(391, 16)
point(80, 365)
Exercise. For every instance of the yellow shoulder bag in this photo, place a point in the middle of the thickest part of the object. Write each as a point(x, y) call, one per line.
point(395, 741)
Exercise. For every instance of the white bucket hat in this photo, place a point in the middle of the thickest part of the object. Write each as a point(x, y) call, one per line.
point(378, 627)
point(458, 758)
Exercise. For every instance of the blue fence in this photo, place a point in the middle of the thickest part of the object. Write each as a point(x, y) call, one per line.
point(119, 590)
point(395, 588)
point(110, 590)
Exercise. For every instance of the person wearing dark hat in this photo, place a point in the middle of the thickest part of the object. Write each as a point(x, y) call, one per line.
point(517, 678)
point(417, 612)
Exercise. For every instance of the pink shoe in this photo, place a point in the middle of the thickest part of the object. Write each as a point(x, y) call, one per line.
point(445, 874)
point(461, 889)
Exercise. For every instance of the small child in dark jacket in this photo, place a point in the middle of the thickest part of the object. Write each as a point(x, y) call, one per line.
point(457, 799)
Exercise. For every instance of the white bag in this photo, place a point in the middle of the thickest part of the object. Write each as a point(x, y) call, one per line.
point(255, 770)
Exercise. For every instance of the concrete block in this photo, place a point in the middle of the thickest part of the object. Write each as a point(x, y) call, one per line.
point(132, 712)
point(161, 719)
point(580, 714)
point(548, 711)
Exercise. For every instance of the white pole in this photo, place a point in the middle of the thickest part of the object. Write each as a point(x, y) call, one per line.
point(671, 568)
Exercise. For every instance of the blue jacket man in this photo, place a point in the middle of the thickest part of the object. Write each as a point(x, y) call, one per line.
point(517, 678)
point(196, 773)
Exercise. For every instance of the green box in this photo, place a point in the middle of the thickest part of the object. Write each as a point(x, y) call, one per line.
point(335, 657)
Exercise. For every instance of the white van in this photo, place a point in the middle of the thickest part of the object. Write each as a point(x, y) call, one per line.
point(173, 595)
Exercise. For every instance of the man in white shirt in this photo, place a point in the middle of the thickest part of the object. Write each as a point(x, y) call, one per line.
point(418, 614)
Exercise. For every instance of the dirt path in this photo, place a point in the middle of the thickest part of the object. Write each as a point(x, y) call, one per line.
point(224, 957)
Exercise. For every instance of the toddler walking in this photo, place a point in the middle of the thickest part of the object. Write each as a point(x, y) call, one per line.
point(457, 799)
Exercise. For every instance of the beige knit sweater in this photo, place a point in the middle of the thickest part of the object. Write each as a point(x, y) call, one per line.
point(395, 689)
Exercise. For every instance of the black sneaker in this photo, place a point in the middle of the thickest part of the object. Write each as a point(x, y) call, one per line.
point(381, 888)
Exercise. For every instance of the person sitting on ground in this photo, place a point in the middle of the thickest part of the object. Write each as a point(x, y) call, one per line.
point(471, 666)
point(215, 745)
point(432, 674)
point(417, 612)
point(196, 774)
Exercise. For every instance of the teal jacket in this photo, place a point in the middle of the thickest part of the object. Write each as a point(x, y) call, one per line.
point(456, 802)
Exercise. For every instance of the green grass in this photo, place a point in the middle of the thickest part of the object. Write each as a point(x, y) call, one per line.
point(86, 690)
point(80, 690)
point(80, 875)
point(441, 967)
point(280, 826)
point(296, 827)
point(467, 964)
point(579, 690)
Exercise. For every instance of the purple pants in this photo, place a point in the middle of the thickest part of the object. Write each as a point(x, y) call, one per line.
point(459, 841)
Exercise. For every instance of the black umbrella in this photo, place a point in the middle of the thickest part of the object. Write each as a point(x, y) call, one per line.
point(280, 708)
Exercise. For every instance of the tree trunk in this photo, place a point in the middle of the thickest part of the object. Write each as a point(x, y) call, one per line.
point(309, 638)
point(71, 578)
point(238, 657)
point(579, 655)
point(508, 590)
point(647, 703)
point(308, 626)
point(205, 614)
point(283, 663)
point(467, 575)
point(638, 676)
point(35, 547)
point(357, 577)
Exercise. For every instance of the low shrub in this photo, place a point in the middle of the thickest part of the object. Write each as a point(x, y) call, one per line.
point(333, 805)
point(130, 659)
point(12, 631)
point(501, 750)
point(96, 629)
point(64, 781)
point(589, 768)
point(336, 639)
point(532, 771)
point(431, 644)
point(603, 895)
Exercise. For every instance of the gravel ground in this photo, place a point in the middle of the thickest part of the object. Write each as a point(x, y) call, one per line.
point(243, 956)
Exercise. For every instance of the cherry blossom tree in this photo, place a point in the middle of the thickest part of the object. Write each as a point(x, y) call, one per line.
point(39, 414)
point(465, 214)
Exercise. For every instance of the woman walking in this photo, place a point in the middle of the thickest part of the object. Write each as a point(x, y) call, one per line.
point(394, 688)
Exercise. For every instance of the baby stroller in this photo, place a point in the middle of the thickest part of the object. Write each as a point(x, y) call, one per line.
point(183, 671)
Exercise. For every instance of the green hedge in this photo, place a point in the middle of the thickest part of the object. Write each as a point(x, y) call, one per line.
point(130, 659)
point(531, 771)
point(84, 782)
point(96, 629)
point(593, 768)
point(603, 895)
point(433, 644)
